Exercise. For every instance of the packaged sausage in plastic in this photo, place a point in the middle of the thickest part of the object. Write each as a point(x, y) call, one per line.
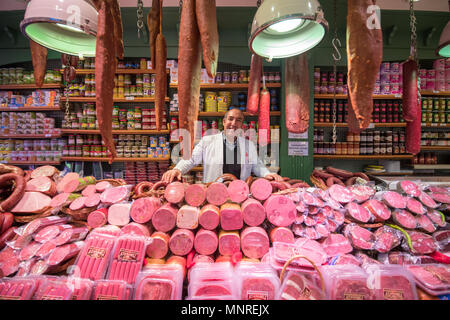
point(346, 282)
point(19, 288)
point(301, 286)
point(111, 290)
point(37, 224)
point(9, 261)
point(391, 282)
point(82, 288)
point(93, 260)
point(127, 257)
point(53, 288)
point(432, 278)
point(159, 282)
point(311, 249)
point(257, 281)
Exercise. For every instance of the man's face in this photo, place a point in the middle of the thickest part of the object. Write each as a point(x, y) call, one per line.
point(233, 121)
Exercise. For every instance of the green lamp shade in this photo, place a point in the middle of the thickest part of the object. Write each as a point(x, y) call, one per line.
point(443, 48)
point(62, 39)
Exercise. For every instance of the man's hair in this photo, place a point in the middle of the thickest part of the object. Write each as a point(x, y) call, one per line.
point(234, 108)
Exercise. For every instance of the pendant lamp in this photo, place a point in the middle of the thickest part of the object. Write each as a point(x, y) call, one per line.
point(67, 26)
point(282, 29)
point(443, 48)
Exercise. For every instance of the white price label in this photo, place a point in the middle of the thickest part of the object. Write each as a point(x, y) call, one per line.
point(129, 98)
point(371, 125)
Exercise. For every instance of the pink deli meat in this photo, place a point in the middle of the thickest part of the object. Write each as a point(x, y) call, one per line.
point(238, 191)
point(357, 212)
point(164, 219)
point(119, 214)
point(115, 195)
point(98, 218)
point(340, 194)
point(360, 238)
point(195, 194)
point(217, 193)
point(254, 242)
point(209, 217)
point(142, 209)
point(261, 189)
point(404, 219)
point(181, 242)
point(410, 188)
point(32, 202)
point(336, 244)
point(253, 212)
point(231, 217)
point(159, 247)
point(174, 192)
point(378, 209)
point(229, 243)
point(280, 210)
point(427, 200)
point(206, 242)
point(415, 206)
point(137, 229)
point(187, 217)
point(282, 234)
point(394, 199)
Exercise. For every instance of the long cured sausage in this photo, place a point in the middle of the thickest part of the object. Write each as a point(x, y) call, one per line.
point(189, 69)
point(264, 118)
point(161, 76)
point(118, 28)
point(17, 193)
point(254, 85)
point(39, 59)
point(105, 68)
point(297, 93)
point(153, 21)
point(205, 11)
point(364, 55)
point(413, 134)
point(410, 103)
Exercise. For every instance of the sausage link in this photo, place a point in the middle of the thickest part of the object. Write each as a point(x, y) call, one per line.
point(17, 193)
point(334, 180)
point(39, 59)
point(153, 18)
point(205, 11)
point(254, 85)
point(350, 181)
point(161, 77)
point(361, 175)
point(339, 172)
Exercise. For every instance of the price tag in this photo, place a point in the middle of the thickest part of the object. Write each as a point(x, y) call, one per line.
point(443, 125)
point(129, 98)
point(434, 124)
point(397, 95)
point(371, 125)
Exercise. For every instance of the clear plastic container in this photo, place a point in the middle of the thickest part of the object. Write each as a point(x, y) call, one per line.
point(111, 290)
point(159, 282)
point(53, 288)
point(391, 282)
point(82, 288)
point(310, 249)
point(219, 271)
point(346, 282)
point(301, 286)
point(19, 288)
point(257, 281)
point(433, 278)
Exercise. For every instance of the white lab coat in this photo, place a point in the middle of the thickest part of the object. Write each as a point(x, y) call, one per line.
point(209, 152)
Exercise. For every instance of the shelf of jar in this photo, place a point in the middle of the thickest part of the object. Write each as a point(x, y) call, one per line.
point(228, 86)
point(435, 125)
point(372, 125)
point(221, 114)
point(31, 86)
point(106, 159)
point(27, 109)
point(345, 96)
point(435, 148)
point(29, 136)
point(435, 93)
point(127, 99)
point(118, 71)
point(96, 131)
point(431, 166)
point(37, 163)
point(363, 157)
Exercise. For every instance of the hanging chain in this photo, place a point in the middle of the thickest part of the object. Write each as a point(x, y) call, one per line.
point(140, 16)
point(413, 50)
point(66, 93)
point(336, 57)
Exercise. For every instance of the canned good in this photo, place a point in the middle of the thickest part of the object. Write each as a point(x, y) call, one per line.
point(219, 78)
point(234, 77)
point(226, 77)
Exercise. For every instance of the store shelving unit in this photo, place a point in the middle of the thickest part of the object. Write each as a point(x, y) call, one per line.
point(363, 157)
point(106, 159)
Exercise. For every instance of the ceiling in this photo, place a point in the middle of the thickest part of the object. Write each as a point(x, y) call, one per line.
point(421, 5)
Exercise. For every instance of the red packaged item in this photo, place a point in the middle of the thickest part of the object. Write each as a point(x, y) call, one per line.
point(159, 282)
point(111, 290)
point(17, 288)
point(257, 281)
point(82, 288)
point(39, 223)
point(53, 288)
point(300, 286)
point(432, 278)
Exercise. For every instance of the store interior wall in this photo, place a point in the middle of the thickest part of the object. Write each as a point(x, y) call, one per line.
point(234, 26)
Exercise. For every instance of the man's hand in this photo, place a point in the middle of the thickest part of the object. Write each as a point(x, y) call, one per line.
point(170, 175)
point(274, 176)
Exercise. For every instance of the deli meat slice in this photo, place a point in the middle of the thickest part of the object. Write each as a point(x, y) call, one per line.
point(427, 200)
point(394, 199)
point(336, 244)
point(253, 212)
point(422, 243)
point(424, 223)
point(261, 189)
point(441, 197)
point(340, 194)
point(386, 239)
point(415, 206)
point(281, 234)
point(303, 247)
point(362, 193)
point(209, 217)
point(360, 238)
point(142, 209)
point(195, 194)
point(404, 219)
point(115, 195)
point(254, 242)
point(281, 211)
point(32, 202)
point(410, 188)
point(437, 217)
point(378, 209)
point(298, 286)
point(238, 191)
point(217, 194)
point(357, 212)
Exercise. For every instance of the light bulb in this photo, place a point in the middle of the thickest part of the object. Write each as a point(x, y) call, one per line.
point(286, 25)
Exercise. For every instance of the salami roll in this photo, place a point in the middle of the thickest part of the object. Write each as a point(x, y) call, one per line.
point(254, 85)
point(195, 194)
point(209, 217)
point(206, 242)
point(18, 192)
point(39, 59)
point(264, 118)
point(142, 209)
point(181, 242)
point(159, 247)
point(161, 76)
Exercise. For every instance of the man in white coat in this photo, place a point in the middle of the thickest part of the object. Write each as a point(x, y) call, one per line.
point(225, 152)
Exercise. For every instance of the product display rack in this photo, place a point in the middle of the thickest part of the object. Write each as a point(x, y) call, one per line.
point(31, 86)
point(147, 132)
point(106, 159)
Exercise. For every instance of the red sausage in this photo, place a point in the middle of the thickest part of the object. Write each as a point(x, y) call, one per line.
point(161, 76)
point(264, 118)
point(39, 59)
point(17, 193)
point(205, 11)
point(254, 85)
point(8, 219)
point(410, 103)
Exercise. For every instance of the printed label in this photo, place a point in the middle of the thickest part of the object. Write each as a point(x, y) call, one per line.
point(353, 296)
point(50, 297)
point(257, 295)
point(102, 297)
point(96, 253)
point(10, 297)
point(128, 255)
point(391, 294)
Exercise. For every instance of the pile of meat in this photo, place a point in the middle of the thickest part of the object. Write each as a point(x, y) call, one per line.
point(331, 175)
point(148, 238)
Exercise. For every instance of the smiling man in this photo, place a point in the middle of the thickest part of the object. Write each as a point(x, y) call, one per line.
point(225, 152)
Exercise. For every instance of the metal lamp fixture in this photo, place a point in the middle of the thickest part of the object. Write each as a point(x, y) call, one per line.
point(287, 28)
point(67, 26)
point(443, 48)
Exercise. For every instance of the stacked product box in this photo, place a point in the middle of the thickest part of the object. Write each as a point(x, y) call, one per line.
point(437, 78)
point(27, 123)
point(30, 150)
point(38, 98)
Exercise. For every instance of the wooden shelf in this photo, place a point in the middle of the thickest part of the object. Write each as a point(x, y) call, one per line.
point(30, 86)
point(30, 136)
point(373, 124)
point(435, 125)
point(16, 109)
point(93, 99)
point(431, 166)
point(344, 96)
point(435, 93)
point(118, 71)
point(435, 148)
point(106, 159)
point(221, 114)
point(81, 131)
point(37, 163)
point(229, 86)
point(194, 169)
point(363, 157)
point(405, 173)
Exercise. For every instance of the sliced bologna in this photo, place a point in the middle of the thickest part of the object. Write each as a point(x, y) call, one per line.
point(261, 189)
point(63, 253)
point(174, 192)
point(50, 232)
point(67, 178)
point(119, 214)
point(115, 195)
point(253, 212)
point(143, 209)
point(362, 193)
point(238, 191)
point(322, 230)
point(360, 238)
point(77, 204)
point(422, 243)
point(424, 223)
point(187, 217)
point(280, 210)
point(195, 194)
point(231, 217)
point(340, 194)
point(137, 229)
point(92, 200)
point(378, 209)
point(29, 251)
point(71, 235)
point(437, 217)
point(9, 262)
point(181, 242)
point(254, 242)
point(357, 212)
point(159, 247)
point(206, 242)
point(209, 217)
point(63, 199)
point(404, 219)
point(98, 218)
point(415, 206)
point(409, 187)
point(229, 242)
point(282, 234)
point(32, 202)
point(394, 200)
point(386, 239)
point(164, 219)
point(89, 190)
point(42, 184)
point(336, 244)
point(217, 193)
point(44, 171)
point(427, 200)
point(441, 197)
point(102, 186)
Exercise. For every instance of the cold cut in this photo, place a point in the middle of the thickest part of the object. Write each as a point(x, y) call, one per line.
point(18, 192)
point(410, 103)
point(231, 217)
point(153, 18)
point(161, 75)
point(254, 85)
point(264, 118)
point(39, 59)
